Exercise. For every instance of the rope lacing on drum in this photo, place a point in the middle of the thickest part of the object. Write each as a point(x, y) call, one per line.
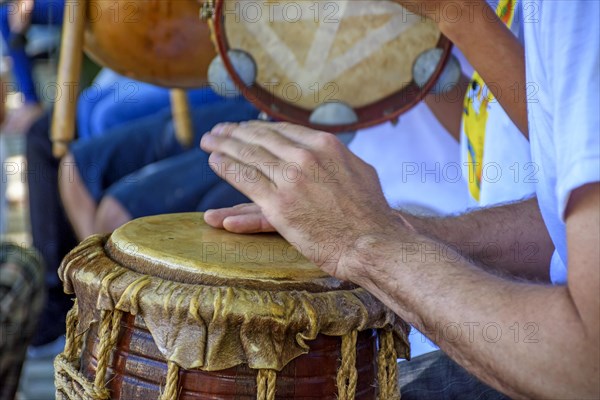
point(266, 382)
point(388, 368)
point(347, 376)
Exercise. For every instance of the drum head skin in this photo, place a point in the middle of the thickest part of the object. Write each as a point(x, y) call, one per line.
point(183, 248)
point(160, 42)
point(308, 53)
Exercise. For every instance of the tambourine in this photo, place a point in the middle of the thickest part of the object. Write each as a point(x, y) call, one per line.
point(335, 65)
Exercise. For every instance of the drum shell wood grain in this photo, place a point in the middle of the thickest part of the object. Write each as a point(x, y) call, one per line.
point(162, 42)
point(138, 370)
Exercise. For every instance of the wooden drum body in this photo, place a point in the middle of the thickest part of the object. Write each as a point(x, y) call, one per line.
point(139, 370)
point(169, 308)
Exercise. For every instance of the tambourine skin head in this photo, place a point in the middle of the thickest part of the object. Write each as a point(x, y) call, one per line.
point(356, 52)
point(160, 42)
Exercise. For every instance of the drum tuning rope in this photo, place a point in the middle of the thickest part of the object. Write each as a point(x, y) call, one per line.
point(70, 383)
point(109, 333)
point(69, 380)
point(266, 382)
point(110, 325)
point(171, 389)
point(388, 369)
point(72, 342)
point(347, 376)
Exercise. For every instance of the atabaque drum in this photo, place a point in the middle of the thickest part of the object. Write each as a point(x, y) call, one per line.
point(163, 42)
point(337, 65)
point(170, 308)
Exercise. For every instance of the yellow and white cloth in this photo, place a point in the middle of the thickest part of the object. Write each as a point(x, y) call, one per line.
point(495, 156)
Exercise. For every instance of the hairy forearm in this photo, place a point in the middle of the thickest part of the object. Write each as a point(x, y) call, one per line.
point(511, 239)
point(523, 339)
point(495, 54)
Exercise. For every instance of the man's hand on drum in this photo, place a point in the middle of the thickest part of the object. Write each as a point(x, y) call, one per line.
point(306, 184)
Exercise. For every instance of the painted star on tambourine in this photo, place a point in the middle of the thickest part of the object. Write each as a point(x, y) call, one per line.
point(312, 52)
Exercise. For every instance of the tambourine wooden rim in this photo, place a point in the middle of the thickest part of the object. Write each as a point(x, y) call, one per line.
point(386, 109)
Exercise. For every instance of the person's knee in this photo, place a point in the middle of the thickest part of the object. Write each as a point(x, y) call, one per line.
point(78, 201)
point(71, 186)
point(111, 215)
point(68, 176)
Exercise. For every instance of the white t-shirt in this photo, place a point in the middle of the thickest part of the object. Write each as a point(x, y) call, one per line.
point(562, 51)
point(507, 171)
point(417, 162)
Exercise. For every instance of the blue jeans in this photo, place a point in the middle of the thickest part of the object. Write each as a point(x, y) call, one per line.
point(103, 107)
point(434, 376)
point(142, 165)
point(45, 12)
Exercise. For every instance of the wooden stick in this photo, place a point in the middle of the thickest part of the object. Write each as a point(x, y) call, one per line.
point(69, 70)
point(181, 117)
